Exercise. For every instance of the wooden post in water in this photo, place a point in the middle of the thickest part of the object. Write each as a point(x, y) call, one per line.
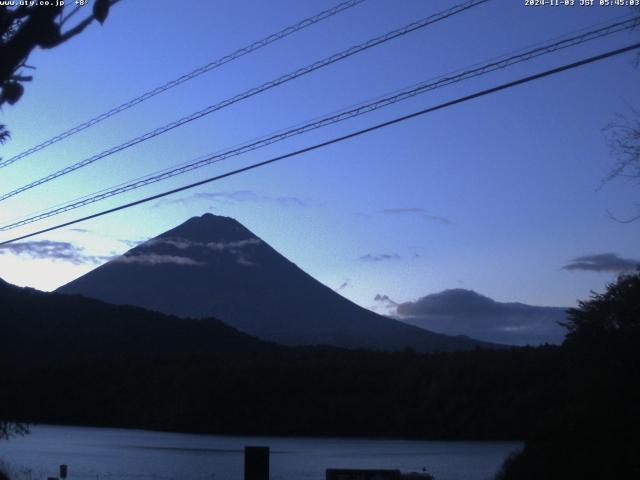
point(256, 463)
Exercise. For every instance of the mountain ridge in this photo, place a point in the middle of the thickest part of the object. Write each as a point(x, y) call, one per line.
point(39, 324)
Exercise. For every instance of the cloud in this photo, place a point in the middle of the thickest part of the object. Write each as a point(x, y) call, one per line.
point(151, 259)
point(149, 254)
point(238, 196)
point(602, 262)
point(241, 260)
point(456, 301)
point(184, 244)
point(233, 245)
point(417, 211)
point(178, 243)
point(343, 285)
point(381, 257)
point(403, 210)
point(384, 299)
point(52, 250)
point(384, 305)
point(466, 312)
point(131, 243)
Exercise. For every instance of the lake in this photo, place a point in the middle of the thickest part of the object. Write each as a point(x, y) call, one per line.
point(107, 453)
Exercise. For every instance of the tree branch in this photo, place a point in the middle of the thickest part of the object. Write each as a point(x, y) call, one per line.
point(79, 28)
point(75, 30)
point(71, 14)
point(22, 78)
point(622, 220)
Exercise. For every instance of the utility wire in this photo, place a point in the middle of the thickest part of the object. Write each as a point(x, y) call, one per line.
point(327, 120)
point(254, 91)
point(307, 22)
point(335, 140)
point(498, 57)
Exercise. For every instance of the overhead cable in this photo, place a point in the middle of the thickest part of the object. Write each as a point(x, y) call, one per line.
point(307, 22)
point(251, 92)
point(335, 140)
point(327, 120)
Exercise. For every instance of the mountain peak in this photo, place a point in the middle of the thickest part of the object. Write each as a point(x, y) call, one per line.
point(211, 220)
point(210, 227)
point(210, 217)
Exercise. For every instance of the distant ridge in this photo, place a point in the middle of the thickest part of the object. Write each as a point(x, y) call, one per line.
point(37, 325)
point(212, 266)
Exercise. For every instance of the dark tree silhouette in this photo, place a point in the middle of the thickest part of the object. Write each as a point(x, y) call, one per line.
point(23, 28)
point(594, 432)
point(623, 139)
point(615, 312)
point(4, 134)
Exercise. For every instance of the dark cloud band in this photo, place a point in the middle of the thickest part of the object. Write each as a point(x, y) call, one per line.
point(51, 250)
point(239, 196)
point(380, 257)
point(465, 312)
point(418, 211)
point(602, 262)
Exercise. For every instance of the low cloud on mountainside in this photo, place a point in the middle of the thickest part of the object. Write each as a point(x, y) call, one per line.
point(465, 312)
point(151, 259)
point(147, 253)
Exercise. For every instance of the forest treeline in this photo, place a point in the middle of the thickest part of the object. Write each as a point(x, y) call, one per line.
point(69, 359)
point(297, 391)
point(577, 406)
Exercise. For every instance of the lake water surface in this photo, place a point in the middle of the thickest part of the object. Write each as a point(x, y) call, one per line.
point(105, 453)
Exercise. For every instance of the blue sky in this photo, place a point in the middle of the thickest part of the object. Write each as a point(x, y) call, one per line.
point(494, 195)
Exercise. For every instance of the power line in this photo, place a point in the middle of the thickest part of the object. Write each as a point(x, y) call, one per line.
point(455, 72)
point(307, 22)
point(358, 133)
point(253, 91)
point(343, 115)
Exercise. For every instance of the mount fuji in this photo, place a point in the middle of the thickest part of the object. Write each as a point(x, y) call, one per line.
point(212, 266)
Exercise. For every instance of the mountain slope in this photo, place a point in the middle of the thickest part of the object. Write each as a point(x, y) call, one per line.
point(36, 325)
point(213, 266)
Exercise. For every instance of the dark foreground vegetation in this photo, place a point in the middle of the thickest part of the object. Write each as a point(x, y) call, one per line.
point(320, 391)
point(68, 359)
point(577, 405)
point(594, 432)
